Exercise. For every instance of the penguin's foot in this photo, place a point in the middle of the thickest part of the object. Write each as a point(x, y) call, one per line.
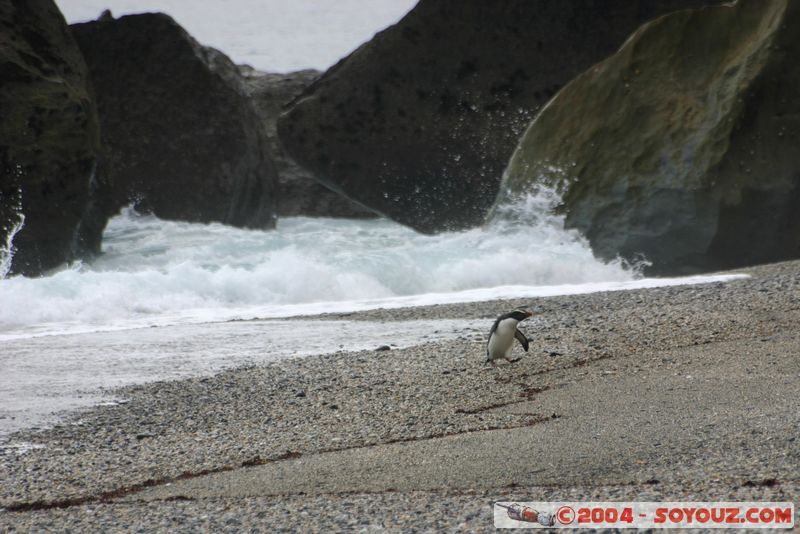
point(515, 360)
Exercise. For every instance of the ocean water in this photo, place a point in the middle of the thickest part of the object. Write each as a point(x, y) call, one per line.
point(172, 299)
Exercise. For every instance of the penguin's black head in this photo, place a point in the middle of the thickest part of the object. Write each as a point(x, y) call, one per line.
point(520, 314)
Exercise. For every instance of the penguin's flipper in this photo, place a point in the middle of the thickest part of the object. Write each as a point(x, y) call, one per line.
point(522, 339)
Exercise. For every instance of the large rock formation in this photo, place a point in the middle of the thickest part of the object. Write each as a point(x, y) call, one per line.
point(419, 123)
point(49, 142)
point(182, 139)
point(683, 146)
point(299, 193)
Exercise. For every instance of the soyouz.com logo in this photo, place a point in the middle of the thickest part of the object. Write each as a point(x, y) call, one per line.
point(644, 515)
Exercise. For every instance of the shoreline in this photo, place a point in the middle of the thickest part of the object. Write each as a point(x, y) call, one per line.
point(707, 372)
point(307, 311)
point(54, 374)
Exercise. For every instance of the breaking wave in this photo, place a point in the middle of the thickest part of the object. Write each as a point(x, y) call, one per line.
point(156, 272)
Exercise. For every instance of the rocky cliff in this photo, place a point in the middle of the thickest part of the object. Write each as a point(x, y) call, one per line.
point(418, 124)
point(49, 143)
point(684, 146)
point(299, 193)
point(181, 136)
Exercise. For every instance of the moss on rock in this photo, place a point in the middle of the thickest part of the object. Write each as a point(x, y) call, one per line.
point(49, 141)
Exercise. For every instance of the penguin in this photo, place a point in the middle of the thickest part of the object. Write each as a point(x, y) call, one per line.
point(502, 335)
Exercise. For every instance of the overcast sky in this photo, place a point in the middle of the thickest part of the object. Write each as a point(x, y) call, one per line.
point(272, 35)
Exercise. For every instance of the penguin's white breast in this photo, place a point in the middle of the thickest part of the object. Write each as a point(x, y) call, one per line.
point(506, 328)
point(503, 338)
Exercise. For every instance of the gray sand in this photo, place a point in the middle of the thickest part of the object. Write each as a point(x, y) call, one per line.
point(682, 393)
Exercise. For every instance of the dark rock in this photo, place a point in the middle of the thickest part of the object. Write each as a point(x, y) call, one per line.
point(418, 123)
point(684, 146)
point(383, 348)
point(49, 141)
point(299, 193)
point(183, 140)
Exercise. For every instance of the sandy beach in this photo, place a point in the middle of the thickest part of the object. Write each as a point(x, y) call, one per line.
point(677, 393)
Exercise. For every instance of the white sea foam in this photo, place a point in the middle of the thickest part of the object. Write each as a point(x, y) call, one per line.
point(160, 273)
point(156, 272)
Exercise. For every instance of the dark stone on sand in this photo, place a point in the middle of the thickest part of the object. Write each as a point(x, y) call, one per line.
point(299, 193)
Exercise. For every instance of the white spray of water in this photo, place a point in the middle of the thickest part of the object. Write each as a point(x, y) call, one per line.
point(536, 208)
point(7, 248)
